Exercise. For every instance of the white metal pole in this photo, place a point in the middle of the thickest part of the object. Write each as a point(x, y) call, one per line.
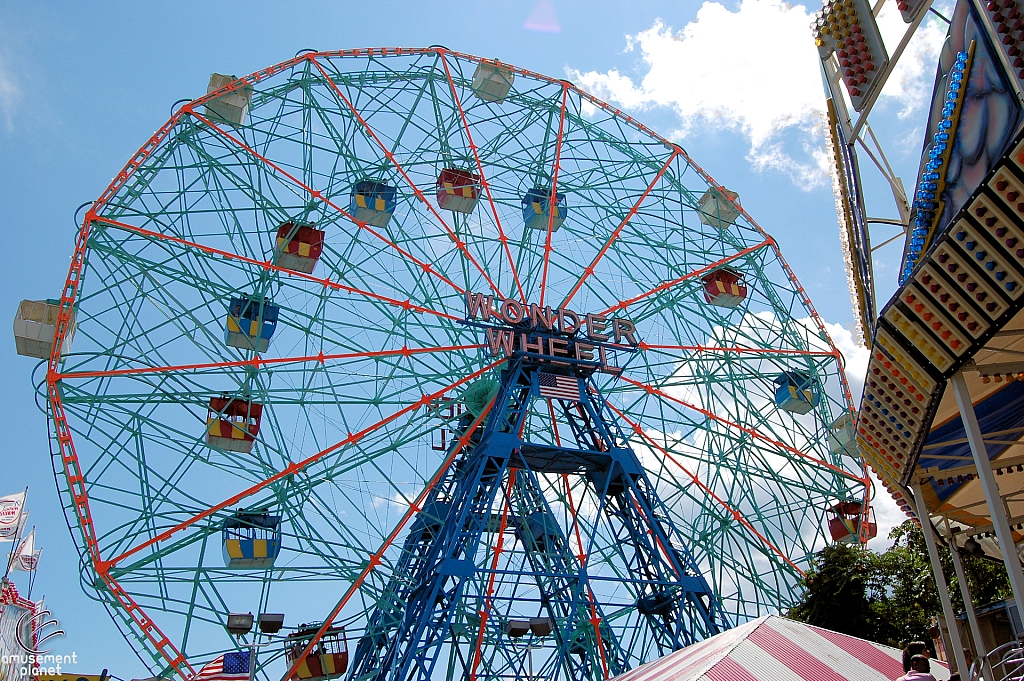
point(965, 592)
point(940, 580)
point(988, 484)
point(980, 652)
point(252, 656)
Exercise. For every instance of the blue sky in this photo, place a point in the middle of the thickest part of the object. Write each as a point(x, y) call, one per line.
point(83, 85)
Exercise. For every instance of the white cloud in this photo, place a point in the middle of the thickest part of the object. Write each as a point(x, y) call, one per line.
point(911, 81)
point(8, 94)
point(755, 71)
point(855, 356)
point(887, 514)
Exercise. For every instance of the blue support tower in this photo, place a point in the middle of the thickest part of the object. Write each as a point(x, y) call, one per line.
point(437, 596)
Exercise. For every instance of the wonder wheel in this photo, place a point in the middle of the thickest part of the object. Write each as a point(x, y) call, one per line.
point(463, 371)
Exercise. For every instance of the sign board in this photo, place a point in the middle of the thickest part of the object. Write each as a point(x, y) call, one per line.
point(15, 623)
point(556, 335)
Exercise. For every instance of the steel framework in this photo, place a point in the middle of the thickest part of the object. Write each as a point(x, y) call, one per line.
point(853, 144)
point(432, 590)
point(360, 431)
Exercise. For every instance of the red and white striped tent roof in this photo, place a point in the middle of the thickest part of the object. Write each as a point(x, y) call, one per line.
point(777, 649)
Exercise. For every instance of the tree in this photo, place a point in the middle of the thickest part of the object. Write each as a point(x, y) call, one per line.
point(903, 589)
point(986, 577)
point(890, 597)
point(836, 591)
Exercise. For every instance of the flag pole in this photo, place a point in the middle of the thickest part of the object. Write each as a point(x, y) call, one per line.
point(32, 577)
point(17, 538)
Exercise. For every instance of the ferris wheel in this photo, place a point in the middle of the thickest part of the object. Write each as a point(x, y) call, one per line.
point(459, 368)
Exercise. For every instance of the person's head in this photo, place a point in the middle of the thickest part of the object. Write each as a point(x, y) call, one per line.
point(913, 648)
point(919, 663)
point(968, 656)
point(955, 676)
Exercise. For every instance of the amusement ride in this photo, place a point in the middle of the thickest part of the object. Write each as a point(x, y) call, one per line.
point(939, 419)
point(466, 372)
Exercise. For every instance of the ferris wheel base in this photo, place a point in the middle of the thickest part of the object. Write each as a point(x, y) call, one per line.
point(440, 567)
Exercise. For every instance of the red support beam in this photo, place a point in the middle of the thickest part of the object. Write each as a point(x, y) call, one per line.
point(498, 550)
point(293, 468)
point(258, 362)
point(589, 270)
point(595, 621)
point(651, 390)
point(707, 490)
point(375, 558)
point(459, 243)
point(738, 350)
point(483, 179)
point(266, 265)
point(665, 285)
point(554, 188)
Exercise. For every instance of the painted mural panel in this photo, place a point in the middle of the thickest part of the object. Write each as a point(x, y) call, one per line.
point(990, 115)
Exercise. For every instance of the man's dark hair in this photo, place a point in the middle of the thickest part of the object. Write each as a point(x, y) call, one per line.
point(913, 648)
point(920, 663)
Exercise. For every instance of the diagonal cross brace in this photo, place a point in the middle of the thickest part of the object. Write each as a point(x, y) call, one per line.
point(435, 576)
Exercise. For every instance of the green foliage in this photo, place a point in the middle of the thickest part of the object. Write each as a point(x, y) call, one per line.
point(836, 594)
point(889, 597)
point(903, 594)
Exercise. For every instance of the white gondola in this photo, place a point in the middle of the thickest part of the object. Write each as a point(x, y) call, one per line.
point(716, 208)
point(492, 83)
point(35, 326)
point(840, 436)
point(231, 107)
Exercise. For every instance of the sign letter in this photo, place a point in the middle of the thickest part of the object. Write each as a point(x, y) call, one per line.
point(543, 316)
point(500, 340)
point(565, 328)
point(595, 325)
point(623, 328)
point(477, 304)
point(512, 311)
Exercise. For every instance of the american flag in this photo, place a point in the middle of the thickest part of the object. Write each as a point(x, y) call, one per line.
point(227, 667)
point(557, 387)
